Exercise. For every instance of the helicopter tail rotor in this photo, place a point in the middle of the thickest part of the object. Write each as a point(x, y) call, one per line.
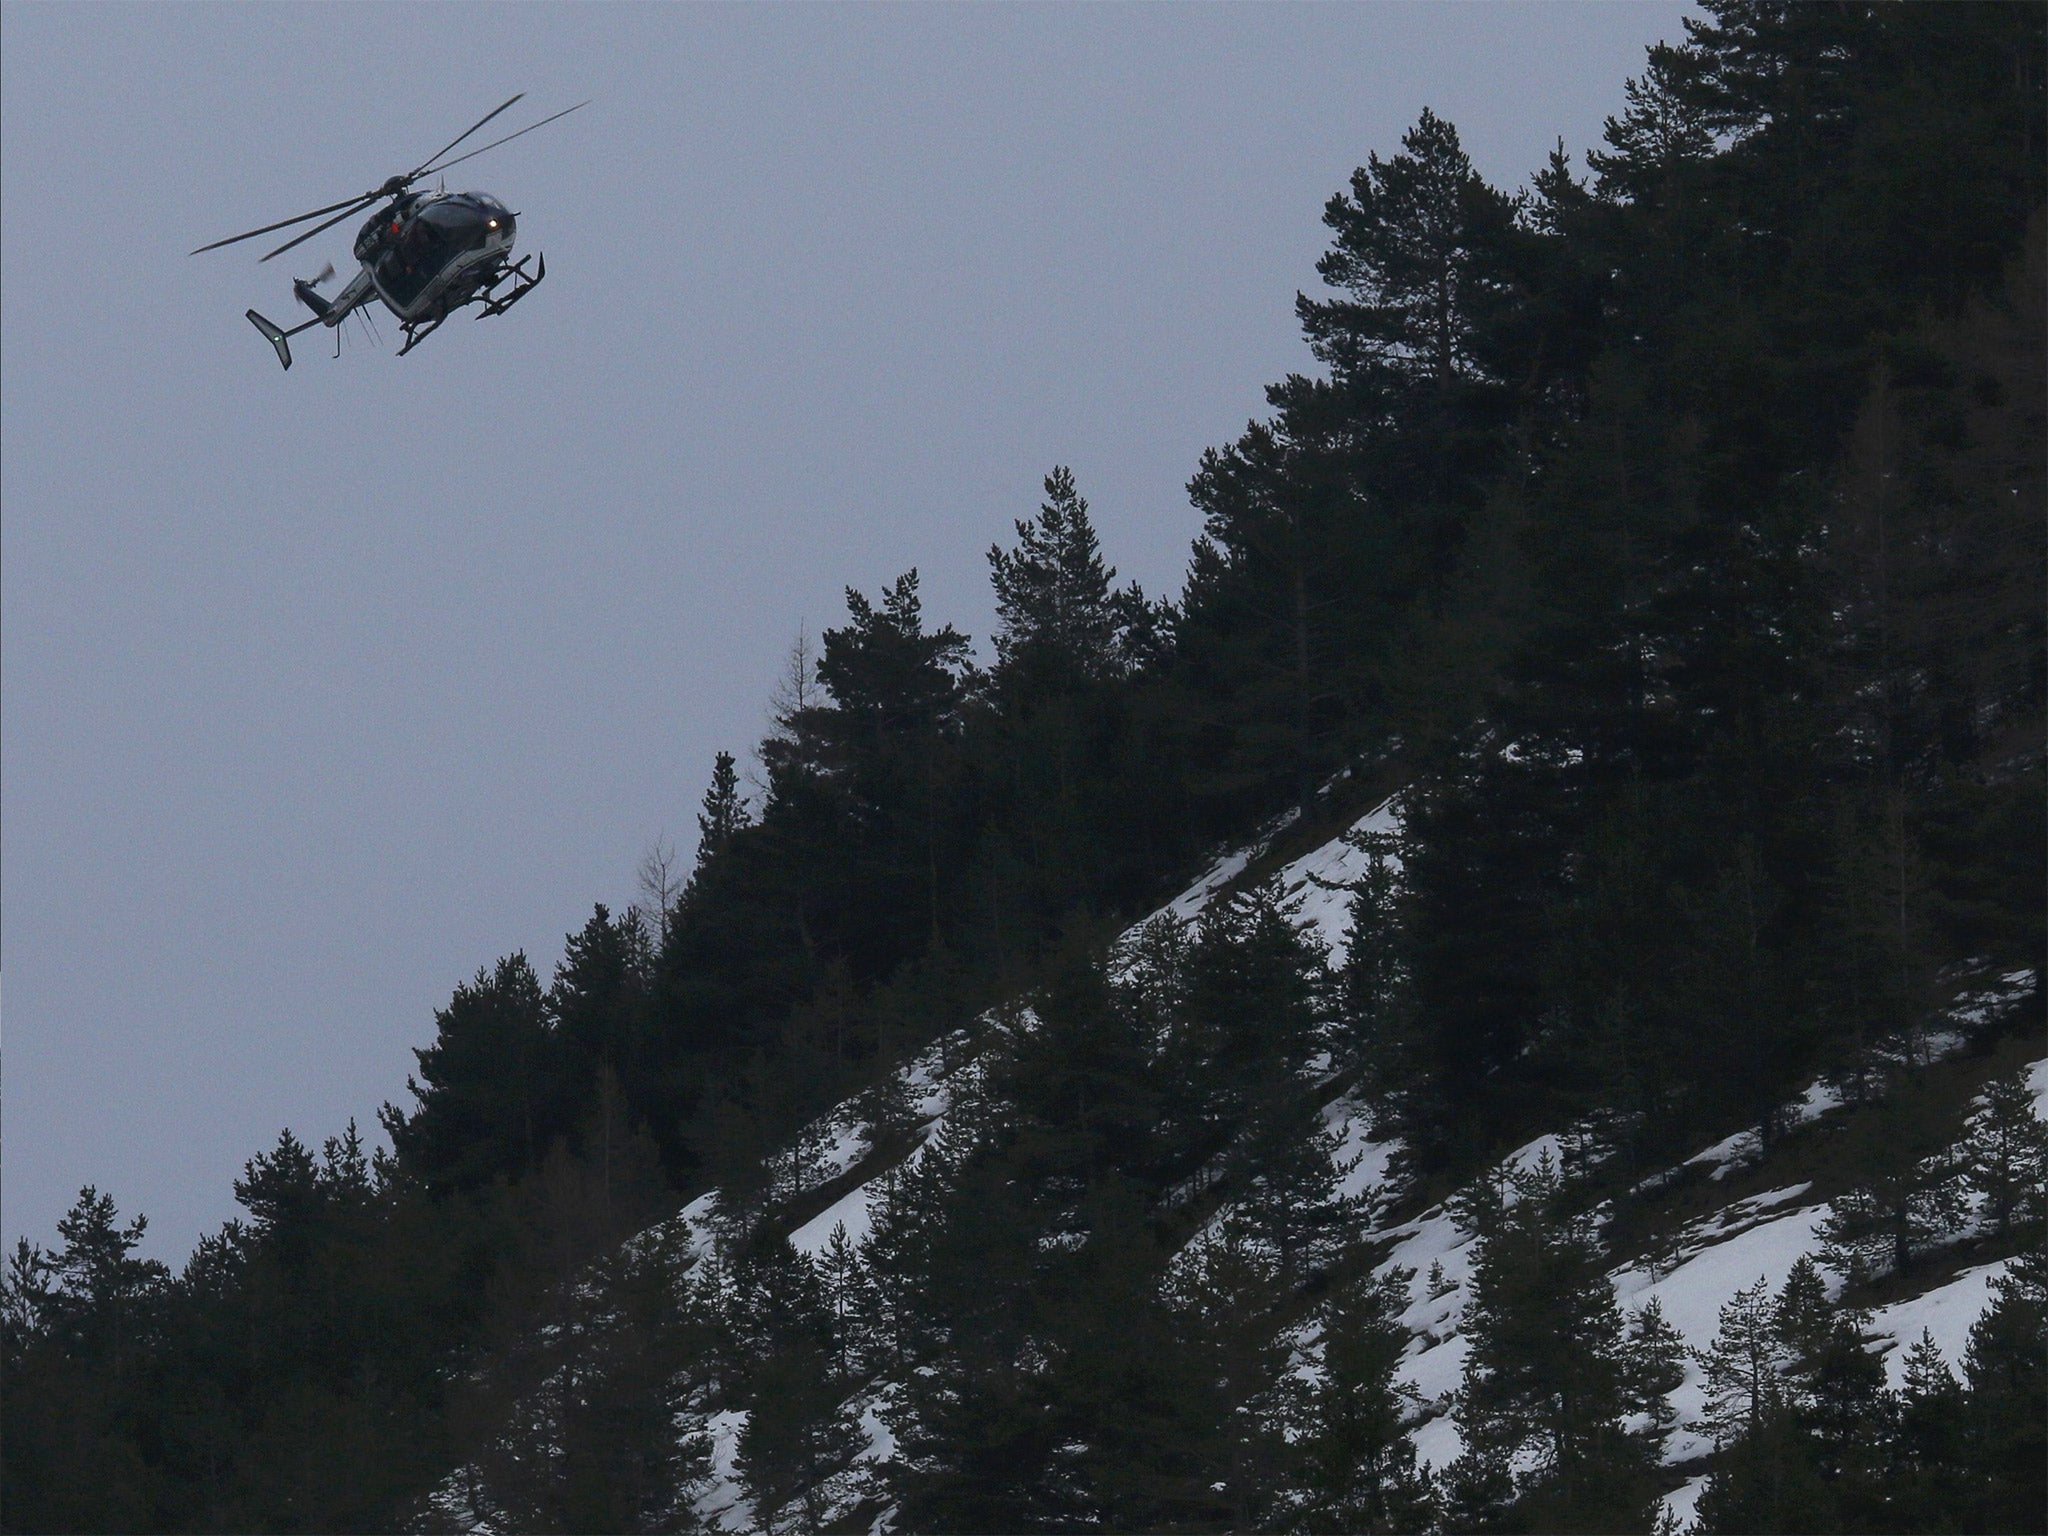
point(306, 295)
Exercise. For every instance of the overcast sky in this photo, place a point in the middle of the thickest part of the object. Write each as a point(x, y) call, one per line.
point(320, 690)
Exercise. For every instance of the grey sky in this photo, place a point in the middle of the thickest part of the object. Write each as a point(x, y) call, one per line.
point(319, 690)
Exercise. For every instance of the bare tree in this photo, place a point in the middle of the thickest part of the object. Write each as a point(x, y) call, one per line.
point(795, 693)
point(661, 885)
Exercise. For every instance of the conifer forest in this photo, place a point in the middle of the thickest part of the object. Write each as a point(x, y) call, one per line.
point(1594, 1081)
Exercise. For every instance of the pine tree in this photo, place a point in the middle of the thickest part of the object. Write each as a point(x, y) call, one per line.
point(1763, 1478)
point(2005, 1157)
point(1411, 250)
point(483, 1100)
point(1836, 1386)
point(976, 1419)
point(1354, 1461)
point(1910, 1199)
point(885, 673)
point(2006, 1362)
point(1660, 137)
point(1061, 622)
point(596, 1443)
point(1653, 1360)
point(1084, 1090)
point(1926, 1482)
point(1255, 995)
point(898, 692)
point(725, 812)
point(1745, 1367)
point(1799, 1411)
point(596, 1008)
point(82, 1320)
point(1292, 1207)
point(909, 1212)
point(798, 1431)
point(1375, 980)
point(1547, 1383)
point(1226, 1293)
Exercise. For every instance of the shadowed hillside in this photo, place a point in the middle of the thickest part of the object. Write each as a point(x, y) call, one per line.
point(1594, 1081)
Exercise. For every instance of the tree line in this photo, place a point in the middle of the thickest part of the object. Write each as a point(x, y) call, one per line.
point(1670, 528)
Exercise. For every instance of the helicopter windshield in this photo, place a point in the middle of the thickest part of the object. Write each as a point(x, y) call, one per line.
point(435, 236)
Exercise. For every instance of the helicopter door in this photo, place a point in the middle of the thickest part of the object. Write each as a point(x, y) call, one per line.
point(414, 260)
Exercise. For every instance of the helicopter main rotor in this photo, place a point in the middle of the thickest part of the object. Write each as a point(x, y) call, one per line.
point(391, 188)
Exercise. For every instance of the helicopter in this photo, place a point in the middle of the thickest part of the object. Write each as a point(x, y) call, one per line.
point(425, 254)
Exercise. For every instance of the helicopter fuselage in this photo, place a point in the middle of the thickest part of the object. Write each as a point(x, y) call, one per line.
point(424, 255)
point(431, 251)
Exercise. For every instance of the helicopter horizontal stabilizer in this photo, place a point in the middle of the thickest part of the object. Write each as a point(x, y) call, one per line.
point(274, 336)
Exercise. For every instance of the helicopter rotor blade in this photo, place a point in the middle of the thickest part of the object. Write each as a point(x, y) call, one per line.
point(391, 188)
point(347, 213)
point(431, 168)
point(472, 128)
point(361, 199)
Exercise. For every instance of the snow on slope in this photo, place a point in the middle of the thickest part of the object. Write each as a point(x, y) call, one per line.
point(1693, 1292)
point(1319, 880)
point(1946, 1313)
point(1757, 1238)
point(1746, 1242)
point(1362, 1163)
point(1322, 880)
point(1736, 1152)
point(722, 1502)
point(1189, 903)
point(1732, 1249)
point(853, 1213)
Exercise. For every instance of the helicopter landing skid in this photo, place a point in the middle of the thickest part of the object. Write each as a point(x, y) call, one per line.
point(415, 333)
point(493, 302)
point(523, 283)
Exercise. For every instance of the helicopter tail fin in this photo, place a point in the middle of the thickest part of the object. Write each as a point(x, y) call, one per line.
point(274, 336)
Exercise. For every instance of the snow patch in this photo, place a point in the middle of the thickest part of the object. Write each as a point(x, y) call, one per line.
point(722, 1502)
point(1683, 1501)
point(1322, 880)
point(1362, 1163)
point(1693, 1291)
point(1974, 1009)
point(1733, 1153)
point(1438, 1443)
point(1947, 1312)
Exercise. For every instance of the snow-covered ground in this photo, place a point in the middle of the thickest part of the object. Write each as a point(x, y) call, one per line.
point(1757, 1238)
point(1189, 903)
point(1693, 1292)
point(1945, 1313)
point(1362, 1163)
point(1322, 880)
point(721, 1500)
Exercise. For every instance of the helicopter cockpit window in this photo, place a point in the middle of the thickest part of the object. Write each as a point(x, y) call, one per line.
point(453, 226)
point(432, 238)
